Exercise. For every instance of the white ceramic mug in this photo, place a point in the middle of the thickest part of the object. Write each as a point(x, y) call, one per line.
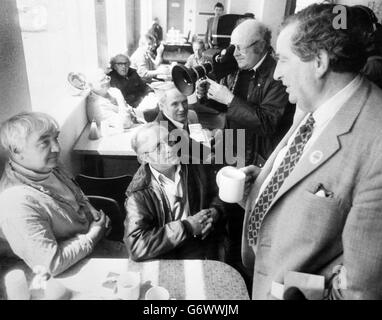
point(128, 286)
point(230, 181)
point(157, 293)
point(16, 285)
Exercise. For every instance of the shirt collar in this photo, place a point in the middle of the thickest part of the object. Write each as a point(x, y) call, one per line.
point(330, 107)
point(257, 66)
point(160, 176)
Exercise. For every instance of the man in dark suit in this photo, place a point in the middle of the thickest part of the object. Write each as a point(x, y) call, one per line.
point(211, 25)
point(315, 207)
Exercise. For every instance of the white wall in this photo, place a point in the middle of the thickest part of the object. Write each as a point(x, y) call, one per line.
point(116, 27)
point(257, 7)
point(238, 6)
point(68, 44)
point(159, 9)
point(14, 91)
point(273, 15)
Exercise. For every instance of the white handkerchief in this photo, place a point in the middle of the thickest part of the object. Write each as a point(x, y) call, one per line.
point(320, 193)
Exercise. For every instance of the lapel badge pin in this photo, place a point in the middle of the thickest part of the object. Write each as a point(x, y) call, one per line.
point(316, 156)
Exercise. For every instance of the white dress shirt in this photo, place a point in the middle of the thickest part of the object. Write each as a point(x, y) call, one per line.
point(172, 189)
point(257, 66)
point(322, 116)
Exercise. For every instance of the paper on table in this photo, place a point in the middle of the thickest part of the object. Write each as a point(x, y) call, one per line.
point(311, 285)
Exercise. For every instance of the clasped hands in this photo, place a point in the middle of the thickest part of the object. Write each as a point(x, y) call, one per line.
point(202, 222)
point(214, 91)
point(101, 225)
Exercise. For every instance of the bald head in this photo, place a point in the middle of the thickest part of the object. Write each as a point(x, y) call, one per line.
point(251, 30)
point(252, 41)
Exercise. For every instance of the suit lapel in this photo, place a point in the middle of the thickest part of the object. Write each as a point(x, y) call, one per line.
point(328, 143)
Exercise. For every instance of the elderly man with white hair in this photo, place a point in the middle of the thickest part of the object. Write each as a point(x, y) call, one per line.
point(172, 208)
point(45, 218)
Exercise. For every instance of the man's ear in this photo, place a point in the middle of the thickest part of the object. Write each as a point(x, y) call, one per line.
point(260, 47)
point(15, 153)
point(321, 64)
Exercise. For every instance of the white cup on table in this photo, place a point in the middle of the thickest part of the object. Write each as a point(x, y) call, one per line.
point(157, 293)
point(230, 181)
point(16, 285)
point(128, 285)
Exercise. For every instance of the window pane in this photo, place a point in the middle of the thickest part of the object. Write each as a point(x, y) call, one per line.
point(59, 36)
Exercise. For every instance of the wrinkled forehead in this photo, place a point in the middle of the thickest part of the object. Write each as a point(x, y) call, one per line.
point(121, 59)
point(150, 137)
point(174, 95)
point(39, 129)
point(284, 39)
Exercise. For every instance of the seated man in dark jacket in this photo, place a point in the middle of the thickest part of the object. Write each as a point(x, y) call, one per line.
point(171, 211)
point(127, 80)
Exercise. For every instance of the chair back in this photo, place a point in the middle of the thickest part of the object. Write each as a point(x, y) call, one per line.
point(114, 187)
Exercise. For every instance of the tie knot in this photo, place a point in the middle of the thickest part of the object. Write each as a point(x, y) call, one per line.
point(308, 126)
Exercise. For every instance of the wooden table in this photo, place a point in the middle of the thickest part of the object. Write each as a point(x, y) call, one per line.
point(111, 145)
point(184, 279)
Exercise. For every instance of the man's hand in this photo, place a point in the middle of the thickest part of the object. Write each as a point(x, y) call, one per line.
point(95, 213)
point(99, 227)
point(200, 222)
point(251, 173)
point(219, 93)
point(202, 89)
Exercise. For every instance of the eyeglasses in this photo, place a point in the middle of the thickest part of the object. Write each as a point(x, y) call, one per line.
point(162, 145)
point(243, 50)
point(121, 64)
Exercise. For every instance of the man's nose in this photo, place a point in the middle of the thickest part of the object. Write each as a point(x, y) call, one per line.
point(181, 107)
point(55, 147)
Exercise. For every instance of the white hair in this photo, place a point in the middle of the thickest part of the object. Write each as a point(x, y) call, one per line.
point(15, 130)
point(140, 137)
point(161, 91)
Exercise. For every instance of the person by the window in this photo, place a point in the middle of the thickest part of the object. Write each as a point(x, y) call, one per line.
point(107, 105)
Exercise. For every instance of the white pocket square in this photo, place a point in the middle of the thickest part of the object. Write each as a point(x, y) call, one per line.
point(320, 193)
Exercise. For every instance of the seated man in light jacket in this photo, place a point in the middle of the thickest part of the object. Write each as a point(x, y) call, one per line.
point(172, 212)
